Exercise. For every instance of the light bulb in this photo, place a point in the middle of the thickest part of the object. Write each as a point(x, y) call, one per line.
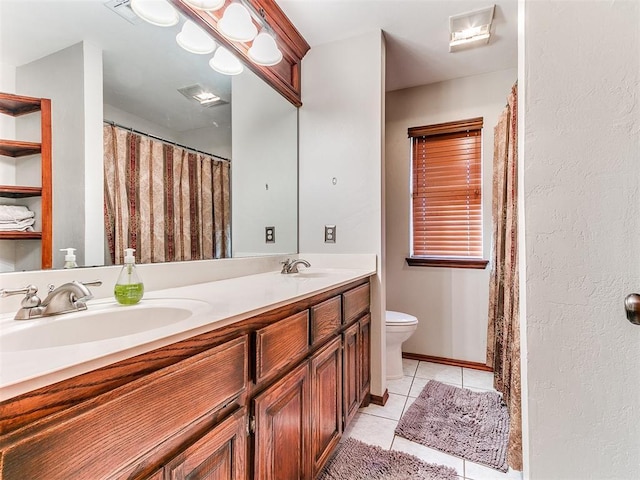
point(157, 12)
point(209, 5)
point(236, 24)
point(225, 62)
point(195, 40)
point(264, 50)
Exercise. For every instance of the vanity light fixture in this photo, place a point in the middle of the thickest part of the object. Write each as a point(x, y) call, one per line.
point(195, 40)
point(264, 50)
point(470, 29)
point(225, 62)
point(208, 5)
point(236, 23)
point(157, 12)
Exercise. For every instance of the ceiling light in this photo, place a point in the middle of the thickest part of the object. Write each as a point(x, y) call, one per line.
point(264, 50)
point(157, 12)
point(195, 40)
point(471, 28)
point(236, 23)
point(201, 95)
point(225, 62)
point(209, 5)
point(206, 98)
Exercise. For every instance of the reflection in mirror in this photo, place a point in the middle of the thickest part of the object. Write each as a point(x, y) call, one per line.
point(96, 65)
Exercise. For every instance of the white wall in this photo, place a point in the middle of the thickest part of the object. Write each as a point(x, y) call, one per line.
point(341, 136)
point(215, 140)
point(581, 171)
point(451, 303)
point(7, 164)
point(72, 79)
point(264, 168)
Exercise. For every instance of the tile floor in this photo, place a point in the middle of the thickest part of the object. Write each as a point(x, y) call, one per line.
point(376, 425)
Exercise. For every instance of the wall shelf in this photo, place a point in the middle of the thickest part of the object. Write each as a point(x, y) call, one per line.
point(16, 106)
point(15, 191)
point(20, 235)
point(15, 148)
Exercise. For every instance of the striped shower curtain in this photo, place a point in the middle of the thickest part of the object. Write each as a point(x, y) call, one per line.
point(503, 339)
point(168, 203)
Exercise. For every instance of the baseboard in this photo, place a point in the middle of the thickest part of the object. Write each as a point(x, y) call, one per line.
point(447, 361)
point(376, 400)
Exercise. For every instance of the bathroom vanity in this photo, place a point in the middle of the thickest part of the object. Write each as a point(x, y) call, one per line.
point(263, 397)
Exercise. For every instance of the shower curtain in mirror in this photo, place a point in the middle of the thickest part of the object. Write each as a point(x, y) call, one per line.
point(503, 340)
point(167, 202)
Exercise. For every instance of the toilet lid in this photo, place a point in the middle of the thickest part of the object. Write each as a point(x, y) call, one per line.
point(399, 318)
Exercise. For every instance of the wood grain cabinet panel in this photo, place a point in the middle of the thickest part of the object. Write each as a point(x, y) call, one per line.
point(126, 426)
point(364, 356)
point(282, 425)
point(351, 372)
point(326, 319)
point(326, 402)
point(355, 303)
point(281, 344)
point(219, 455)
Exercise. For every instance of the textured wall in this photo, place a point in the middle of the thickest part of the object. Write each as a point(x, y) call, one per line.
point(582, 172)
point(451, 303)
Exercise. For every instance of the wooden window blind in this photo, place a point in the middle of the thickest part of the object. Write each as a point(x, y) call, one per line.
point(447, 190)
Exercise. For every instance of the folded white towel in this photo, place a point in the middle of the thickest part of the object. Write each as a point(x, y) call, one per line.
point(15, 228)
point(14, 213)
point(18, 223)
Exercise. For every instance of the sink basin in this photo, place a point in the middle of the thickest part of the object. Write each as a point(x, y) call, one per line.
point(98, 322)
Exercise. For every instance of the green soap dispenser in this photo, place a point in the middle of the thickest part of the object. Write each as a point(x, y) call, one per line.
point(129, 289)
point(69, 258)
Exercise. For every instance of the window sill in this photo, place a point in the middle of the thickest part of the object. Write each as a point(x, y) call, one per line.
point(477, 263)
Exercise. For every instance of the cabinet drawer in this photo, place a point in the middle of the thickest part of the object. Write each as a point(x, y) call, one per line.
point(281, 344)
point(131, 421)
point(355, 302)
point(326, 319)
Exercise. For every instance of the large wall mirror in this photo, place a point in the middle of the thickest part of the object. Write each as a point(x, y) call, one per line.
point(98, 66)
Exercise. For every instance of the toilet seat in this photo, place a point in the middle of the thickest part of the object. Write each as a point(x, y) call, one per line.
point(399, 318)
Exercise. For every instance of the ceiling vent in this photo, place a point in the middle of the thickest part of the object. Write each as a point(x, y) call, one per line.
point(470, 29)
point(123, 9)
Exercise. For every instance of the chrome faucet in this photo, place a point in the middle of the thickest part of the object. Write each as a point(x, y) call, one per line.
point(70, 297)
point(292, 267)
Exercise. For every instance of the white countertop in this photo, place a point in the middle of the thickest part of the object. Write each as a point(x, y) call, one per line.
point(217, 304)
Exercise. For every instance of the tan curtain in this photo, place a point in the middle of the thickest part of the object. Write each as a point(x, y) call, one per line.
point(503, 341)
point(168, 203)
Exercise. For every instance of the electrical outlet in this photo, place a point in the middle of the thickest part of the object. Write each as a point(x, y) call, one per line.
point(329, 234)
point(269, 234)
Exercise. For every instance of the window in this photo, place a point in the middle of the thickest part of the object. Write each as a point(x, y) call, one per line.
point(446, 210)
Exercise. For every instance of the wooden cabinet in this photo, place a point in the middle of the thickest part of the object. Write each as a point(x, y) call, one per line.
point(265, 398)
point(17, 106)
point(219, 455)
point(351, 369)
point(326, 402)
point(364, 357)
point(282, 421)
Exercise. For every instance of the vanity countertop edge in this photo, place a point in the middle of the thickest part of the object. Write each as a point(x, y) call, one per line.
point(224, 302)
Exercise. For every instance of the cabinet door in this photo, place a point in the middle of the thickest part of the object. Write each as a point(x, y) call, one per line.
point(351, 372)
point(219, 455)
point(326, 402)
point(364, 356)
point(282, 429)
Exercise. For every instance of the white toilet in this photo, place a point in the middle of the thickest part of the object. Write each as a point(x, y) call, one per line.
point(400, 326)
